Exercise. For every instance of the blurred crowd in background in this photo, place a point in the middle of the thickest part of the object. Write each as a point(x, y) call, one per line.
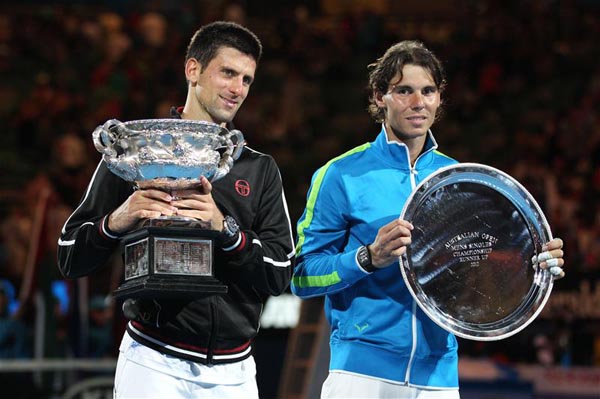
point(523, 96)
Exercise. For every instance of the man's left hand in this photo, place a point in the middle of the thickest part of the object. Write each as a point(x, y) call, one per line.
point(551, 258)
point(198, 204)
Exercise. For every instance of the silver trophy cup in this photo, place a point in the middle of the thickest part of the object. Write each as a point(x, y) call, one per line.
point(168, 256)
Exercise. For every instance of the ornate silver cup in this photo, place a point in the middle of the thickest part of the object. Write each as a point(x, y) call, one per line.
point(168, 256)
point(469, 264)
point(167, 153)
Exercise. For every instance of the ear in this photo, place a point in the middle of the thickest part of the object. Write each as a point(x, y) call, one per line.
point(378, 97)
point(192, 70)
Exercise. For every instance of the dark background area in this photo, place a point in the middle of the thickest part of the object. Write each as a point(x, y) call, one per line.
point(522, 96)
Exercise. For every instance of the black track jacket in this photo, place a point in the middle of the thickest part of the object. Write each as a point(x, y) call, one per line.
point(216, 329)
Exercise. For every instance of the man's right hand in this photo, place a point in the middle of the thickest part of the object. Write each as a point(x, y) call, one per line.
point(390, 243)
point(142, 204)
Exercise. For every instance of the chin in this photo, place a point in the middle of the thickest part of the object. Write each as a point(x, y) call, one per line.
point(228, 116)
point(222, 119)
point(410, 135)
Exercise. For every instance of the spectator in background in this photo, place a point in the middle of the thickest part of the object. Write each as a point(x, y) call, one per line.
point(13, 333)
point(101, 325)
point(15, 337)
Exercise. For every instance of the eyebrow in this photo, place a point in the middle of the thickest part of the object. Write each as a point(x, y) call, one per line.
point(398, 86)
point(231, 69)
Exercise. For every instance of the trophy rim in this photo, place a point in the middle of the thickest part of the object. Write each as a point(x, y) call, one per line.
point(542, 282)
point(172, 121)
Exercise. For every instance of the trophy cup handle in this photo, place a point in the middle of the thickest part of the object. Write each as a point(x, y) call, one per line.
point(236, 142)
point(238, 145)
point(105, 136)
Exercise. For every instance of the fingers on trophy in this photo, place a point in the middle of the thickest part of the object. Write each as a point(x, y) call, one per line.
point(551, 261)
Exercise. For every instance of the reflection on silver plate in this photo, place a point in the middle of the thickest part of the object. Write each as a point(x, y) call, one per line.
point(469, 264)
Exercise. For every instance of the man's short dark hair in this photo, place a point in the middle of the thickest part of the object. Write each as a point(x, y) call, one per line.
point(207, 41)
point(385, 69)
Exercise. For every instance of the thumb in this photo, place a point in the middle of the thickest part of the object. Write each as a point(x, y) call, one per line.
point(206, 185)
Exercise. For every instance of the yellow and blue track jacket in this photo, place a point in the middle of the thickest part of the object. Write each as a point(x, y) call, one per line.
point(376, 327)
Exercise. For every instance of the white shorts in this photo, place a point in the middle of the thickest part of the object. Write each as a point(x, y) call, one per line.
point(340, 385)
point(145, 373)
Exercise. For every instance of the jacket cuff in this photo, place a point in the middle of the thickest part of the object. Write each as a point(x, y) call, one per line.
point(237, 245)
point(107, 233)
point(349, 270)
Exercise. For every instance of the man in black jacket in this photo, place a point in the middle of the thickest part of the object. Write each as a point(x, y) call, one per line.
point(197, 348)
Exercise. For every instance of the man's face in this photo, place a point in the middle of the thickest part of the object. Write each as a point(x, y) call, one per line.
point(222, 86)
point(410, 104)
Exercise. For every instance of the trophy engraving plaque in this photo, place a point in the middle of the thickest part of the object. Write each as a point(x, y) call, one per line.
point(469, 264)
point(168, 256)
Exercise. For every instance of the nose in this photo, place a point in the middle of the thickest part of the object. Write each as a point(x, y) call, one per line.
point(237, 87)
point(417, 100)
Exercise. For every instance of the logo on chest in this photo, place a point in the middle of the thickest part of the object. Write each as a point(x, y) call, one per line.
point(242, 187)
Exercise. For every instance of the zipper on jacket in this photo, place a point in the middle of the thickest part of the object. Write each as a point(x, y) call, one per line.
point(414, 342)
point(213, 330)
point(413, 182)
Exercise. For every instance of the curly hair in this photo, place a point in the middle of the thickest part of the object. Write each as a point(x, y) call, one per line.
point(387, 67)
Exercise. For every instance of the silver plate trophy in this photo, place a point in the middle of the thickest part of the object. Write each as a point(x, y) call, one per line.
point(469, 264)
point(168, 256)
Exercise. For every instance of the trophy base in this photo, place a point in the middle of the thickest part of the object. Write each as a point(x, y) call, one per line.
point(169, 262)
point(170, 287)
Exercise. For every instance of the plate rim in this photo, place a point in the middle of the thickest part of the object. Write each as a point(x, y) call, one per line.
point(439, 317)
